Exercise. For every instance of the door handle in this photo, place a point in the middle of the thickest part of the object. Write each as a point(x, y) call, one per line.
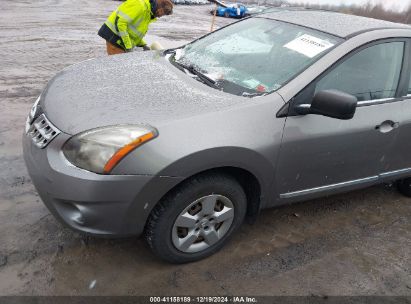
point(387, 126)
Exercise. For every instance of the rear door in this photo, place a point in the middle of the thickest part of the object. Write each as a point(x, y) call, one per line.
point(321, 155)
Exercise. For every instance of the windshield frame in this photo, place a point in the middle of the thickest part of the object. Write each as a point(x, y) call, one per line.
point(339, 40)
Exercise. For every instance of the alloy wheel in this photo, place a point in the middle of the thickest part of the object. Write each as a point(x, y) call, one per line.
point(202, 223)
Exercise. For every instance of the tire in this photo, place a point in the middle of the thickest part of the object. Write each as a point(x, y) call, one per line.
point(204, 205)
point(404, 186)
point(227, 14)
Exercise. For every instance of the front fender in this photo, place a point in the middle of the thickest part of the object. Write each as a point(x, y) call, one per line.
point(221, 157)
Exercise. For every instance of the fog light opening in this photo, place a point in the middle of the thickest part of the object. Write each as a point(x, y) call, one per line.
point(71, 212)
point(78, 218)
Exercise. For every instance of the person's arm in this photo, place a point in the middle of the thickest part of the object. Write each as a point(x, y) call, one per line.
point(128, 12)
point(122, 25)
point(143, 43)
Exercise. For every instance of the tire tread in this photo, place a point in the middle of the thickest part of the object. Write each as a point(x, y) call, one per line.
point(166, 203)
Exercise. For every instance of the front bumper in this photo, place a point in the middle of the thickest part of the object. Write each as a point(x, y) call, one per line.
point(105, 205)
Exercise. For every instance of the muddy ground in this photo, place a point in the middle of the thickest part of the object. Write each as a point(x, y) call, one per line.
point(353, 244)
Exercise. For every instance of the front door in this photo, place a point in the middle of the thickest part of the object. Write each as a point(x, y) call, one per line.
point(321, 155)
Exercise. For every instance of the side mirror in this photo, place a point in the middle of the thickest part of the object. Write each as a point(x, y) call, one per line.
point(331, 103)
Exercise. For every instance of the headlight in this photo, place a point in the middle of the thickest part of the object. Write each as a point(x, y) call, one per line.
point(34, 109)
point(34, 112)
point(100, 150)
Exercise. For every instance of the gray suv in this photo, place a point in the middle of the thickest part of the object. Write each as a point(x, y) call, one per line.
point(182, 145)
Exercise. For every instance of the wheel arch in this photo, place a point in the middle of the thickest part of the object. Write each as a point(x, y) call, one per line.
point(247, 180)
point(250, 169)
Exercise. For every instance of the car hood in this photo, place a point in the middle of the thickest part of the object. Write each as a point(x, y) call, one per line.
point(126, 89)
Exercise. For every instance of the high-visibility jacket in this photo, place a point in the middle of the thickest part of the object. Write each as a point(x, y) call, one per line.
point(130, 23)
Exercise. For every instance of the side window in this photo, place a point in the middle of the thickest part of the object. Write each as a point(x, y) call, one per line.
point(372, 73)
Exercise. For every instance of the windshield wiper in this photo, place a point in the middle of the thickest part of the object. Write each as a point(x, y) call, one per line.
point(170, 51)
point(254, 94)
point(193, 70)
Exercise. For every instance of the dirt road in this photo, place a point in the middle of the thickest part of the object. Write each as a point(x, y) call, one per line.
point(354, 244)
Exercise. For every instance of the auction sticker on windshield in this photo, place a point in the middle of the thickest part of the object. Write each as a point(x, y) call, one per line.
point(308, 45)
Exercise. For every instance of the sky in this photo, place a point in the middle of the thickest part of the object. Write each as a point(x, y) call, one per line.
point(397, 5)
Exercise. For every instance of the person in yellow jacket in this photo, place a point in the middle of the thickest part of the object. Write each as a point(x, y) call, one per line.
point(127, 25)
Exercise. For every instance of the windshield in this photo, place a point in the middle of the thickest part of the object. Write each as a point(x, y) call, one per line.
point(255, 56)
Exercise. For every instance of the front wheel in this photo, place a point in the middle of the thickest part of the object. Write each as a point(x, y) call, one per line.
point(196, 219)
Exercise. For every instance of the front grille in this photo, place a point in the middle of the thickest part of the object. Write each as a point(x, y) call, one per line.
point(41, 131)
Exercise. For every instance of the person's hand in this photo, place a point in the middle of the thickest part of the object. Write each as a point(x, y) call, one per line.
point(146, 48)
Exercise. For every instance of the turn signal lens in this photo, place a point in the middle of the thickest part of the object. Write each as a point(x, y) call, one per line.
point(120, 154)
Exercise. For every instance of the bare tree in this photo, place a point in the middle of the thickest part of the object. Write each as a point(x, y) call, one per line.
point(368, 10)
point(408, 15)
